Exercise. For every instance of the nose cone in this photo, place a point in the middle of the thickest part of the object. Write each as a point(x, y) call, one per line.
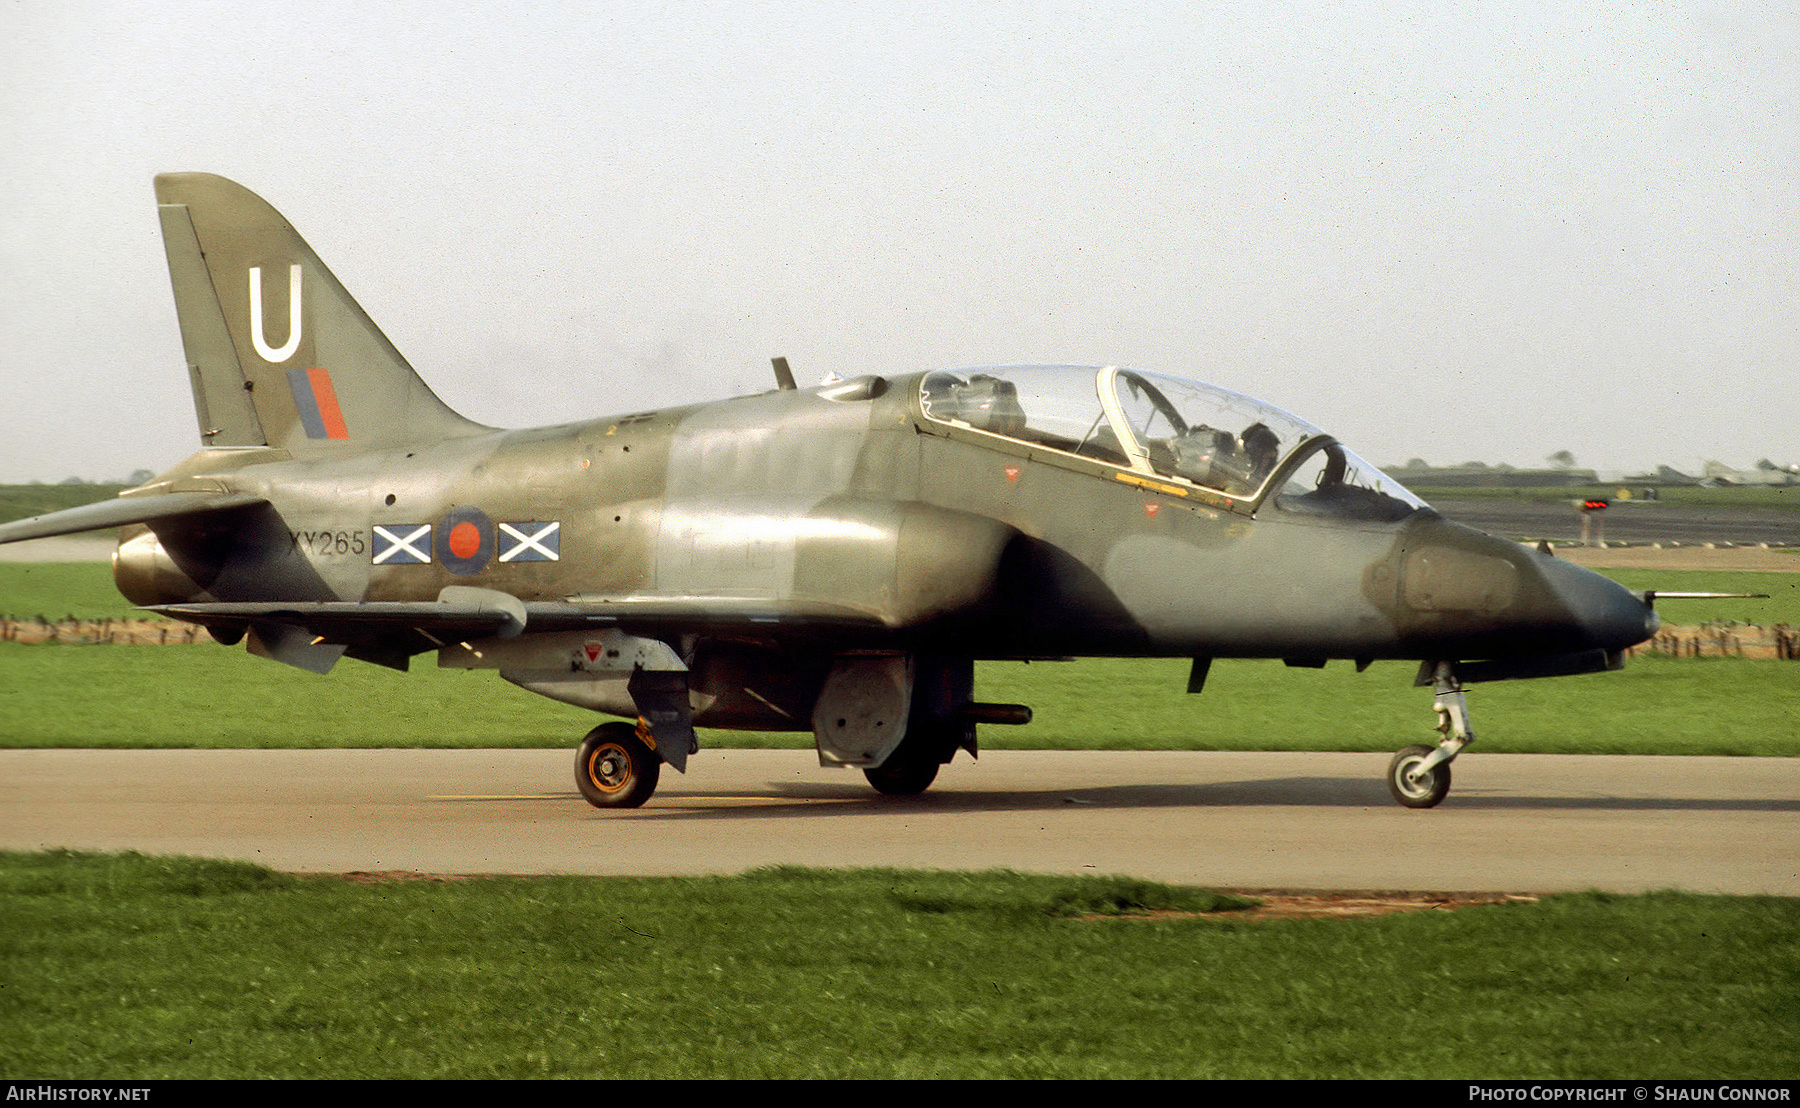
point(1463, 593)
point(1611, 616)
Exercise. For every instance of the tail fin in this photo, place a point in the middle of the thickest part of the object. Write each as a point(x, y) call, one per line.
point(280, 355)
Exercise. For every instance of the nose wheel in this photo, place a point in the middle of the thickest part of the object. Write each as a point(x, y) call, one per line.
point(1413, 783)
point(1419, 776)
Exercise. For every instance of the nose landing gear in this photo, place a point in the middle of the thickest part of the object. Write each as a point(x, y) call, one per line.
point(1419, 776)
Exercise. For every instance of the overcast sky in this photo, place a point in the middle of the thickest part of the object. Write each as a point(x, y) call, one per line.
point(1443, 230)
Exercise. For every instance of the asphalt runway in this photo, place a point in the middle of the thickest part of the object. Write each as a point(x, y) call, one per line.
point(1512, 823)
point(1636, 521)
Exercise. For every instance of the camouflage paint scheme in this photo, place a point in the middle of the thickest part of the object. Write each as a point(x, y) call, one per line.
point(830, 559)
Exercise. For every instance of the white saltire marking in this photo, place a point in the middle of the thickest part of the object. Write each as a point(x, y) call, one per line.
point(540, 545)
point(402, 547)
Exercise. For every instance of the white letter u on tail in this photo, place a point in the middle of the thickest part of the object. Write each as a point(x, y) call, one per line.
point(267, 352)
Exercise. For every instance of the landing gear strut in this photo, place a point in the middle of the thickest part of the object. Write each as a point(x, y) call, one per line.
point(1419, 776)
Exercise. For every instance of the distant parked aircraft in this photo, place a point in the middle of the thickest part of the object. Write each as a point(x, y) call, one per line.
point(1764, 472)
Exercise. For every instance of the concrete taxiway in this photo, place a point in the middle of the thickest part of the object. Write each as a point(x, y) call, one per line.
point(1515, 823)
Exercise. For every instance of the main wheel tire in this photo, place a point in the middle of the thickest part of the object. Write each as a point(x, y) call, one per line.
point(614, 769)
point(1424, 792)
point(902, 776)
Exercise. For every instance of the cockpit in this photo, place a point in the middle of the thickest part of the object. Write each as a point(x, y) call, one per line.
point(1225, 447)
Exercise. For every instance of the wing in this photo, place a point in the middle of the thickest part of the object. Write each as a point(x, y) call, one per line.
point(312, 635)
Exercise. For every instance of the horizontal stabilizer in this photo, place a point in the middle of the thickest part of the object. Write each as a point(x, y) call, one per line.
point(125, 510)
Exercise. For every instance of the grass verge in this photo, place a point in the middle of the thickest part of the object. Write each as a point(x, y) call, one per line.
point(62, 590)
point(212, 696)
point(217, 698)
point(133, 967)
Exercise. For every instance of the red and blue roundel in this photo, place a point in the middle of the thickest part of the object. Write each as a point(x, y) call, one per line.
point(465, 541)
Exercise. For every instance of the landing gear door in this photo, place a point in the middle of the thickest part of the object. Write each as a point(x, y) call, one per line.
point(860, 717)
point(661, 697)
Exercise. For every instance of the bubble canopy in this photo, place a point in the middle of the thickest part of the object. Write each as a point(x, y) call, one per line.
point(1223, 445)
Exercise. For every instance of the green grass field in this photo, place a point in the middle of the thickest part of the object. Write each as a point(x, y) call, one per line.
point(61, 590)
point(129, 967)
point(143, 968)
point(1782, 590)
point(213, 696)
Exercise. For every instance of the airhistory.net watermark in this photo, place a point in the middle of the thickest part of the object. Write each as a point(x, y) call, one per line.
point(52, 1092)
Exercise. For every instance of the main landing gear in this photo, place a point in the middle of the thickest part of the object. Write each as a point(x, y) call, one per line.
point(616, 766)
point(913, 765)
point(1419, 776)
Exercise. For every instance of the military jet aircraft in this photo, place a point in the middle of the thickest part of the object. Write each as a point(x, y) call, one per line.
point(1764, 473)
point(829, 559)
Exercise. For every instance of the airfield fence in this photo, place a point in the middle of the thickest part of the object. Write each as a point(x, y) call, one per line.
point(124, 632)
point(1725, 640)
point(1708, 640)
